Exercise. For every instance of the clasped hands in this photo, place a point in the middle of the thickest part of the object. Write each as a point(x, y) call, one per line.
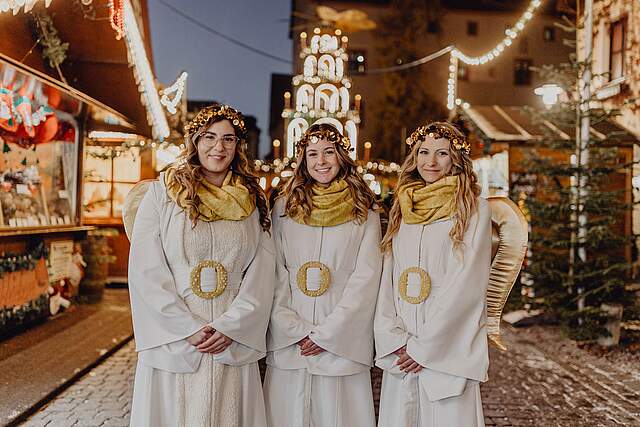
point(208, 340)
point(308, 347)
point(405, 362)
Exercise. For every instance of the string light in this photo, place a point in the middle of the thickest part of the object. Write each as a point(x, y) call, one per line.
point(178, 88)
point(143, 75)
point(510, 35)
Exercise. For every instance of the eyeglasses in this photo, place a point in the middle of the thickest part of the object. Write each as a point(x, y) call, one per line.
point(211, 140)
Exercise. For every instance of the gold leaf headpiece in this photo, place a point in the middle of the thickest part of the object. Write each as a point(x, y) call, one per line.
point(437, 131)
point(206, 114)
point(316, 135)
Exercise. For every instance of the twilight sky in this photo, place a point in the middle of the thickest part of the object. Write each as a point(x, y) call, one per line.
point(219, 70)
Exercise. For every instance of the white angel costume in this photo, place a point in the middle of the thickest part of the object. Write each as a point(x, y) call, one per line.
point(332, 388)
point(444, 332)
point(175, 385)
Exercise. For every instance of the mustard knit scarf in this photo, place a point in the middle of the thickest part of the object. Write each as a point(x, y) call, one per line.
point(422, 203)
point(231, 201)
point(332, 205)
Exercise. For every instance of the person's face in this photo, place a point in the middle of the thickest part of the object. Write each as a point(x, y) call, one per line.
point(322, 161)
point(217, 147)
point(434, 159)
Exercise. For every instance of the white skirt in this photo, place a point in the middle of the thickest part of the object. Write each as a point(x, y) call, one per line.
point(215, 395)
point(298, 399)
point(403, 403)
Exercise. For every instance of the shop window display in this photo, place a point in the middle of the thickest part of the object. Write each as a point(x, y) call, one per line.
point(39, 140)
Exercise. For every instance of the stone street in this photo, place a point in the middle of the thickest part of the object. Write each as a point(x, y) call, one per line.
point(537, 382)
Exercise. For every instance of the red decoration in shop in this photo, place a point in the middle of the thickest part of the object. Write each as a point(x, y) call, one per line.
point(53, 96)
point(47, 130)
point(116, 17)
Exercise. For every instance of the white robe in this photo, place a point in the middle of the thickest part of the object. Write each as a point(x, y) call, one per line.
point(332, 388)
point(175, 385)
point(446, 333)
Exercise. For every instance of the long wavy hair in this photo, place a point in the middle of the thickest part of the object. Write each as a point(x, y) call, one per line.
point(466, 194)
point(188, 172)
point(297, 192)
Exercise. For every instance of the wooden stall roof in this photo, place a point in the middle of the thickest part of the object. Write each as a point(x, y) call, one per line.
point(96, 63)
point(513, 124)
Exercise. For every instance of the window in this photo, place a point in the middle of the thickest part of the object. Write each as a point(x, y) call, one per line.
point(109, 178)
point(616, 52)
point(549, 33)
point(472, 28)
point(357, 61)
point(522, 72)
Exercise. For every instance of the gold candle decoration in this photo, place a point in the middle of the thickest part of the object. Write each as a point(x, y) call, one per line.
point(345, 41)
point(316, 30)
point(367, 150)
point(358, 98)
point(303, 40)
point(276, 148)
point(287, 100)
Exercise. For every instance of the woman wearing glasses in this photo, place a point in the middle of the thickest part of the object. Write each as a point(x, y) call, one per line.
point(328, 265)
point(430, 323)
point(201, 280)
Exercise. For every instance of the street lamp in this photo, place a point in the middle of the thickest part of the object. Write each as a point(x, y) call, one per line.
point(549, 93)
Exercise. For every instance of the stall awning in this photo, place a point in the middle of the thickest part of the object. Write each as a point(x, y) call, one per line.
point(514, 124)
point(115, 73)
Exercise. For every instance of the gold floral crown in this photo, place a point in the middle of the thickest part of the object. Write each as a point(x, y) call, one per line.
point(206, 114)
point(437, 131)
point(316, 135)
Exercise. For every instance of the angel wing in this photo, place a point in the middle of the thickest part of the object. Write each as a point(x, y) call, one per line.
point(508, 249)
point(131, 203)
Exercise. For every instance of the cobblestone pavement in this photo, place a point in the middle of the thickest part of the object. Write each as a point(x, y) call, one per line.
point(532, 384)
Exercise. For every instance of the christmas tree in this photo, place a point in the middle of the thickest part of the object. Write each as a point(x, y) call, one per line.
point(579, 259)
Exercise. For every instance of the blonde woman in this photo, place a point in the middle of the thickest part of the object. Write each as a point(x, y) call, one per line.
point(430, 319)
point(201, 273)
point(328, 266)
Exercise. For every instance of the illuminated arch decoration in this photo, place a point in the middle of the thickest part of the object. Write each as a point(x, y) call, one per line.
point(297, 127)
point(321, 93)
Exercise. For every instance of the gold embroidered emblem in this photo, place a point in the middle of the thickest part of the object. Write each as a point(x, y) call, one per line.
point(425, 285)
point(221, 279)
point(325, 278)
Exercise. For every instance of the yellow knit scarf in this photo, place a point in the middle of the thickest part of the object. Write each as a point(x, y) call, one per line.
point(332, 205)
point(422, 203)
point(231, 201)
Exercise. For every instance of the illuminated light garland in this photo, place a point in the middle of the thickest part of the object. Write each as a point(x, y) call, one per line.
point(456, 55)
point(143, 75)
point(15, 5)
point(178, 88)
point(116, 17)
point(95, 134)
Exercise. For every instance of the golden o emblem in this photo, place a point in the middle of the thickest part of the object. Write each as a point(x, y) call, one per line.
point(425, 285)
point(221, 279)
point(325, 278)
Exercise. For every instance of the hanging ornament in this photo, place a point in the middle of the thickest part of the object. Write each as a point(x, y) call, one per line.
point(6, 148)
point(116, 17)
point(178, 89)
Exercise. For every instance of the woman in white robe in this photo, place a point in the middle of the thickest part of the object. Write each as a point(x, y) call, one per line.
point(430, 322)
point(320, 339)
point(201, 273)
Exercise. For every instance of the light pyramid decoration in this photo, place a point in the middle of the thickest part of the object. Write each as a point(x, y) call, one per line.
point(321, 92)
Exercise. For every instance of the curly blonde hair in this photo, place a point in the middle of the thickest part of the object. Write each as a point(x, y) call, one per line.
point(188, 172)
point(297, 192)
point(466, 194)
